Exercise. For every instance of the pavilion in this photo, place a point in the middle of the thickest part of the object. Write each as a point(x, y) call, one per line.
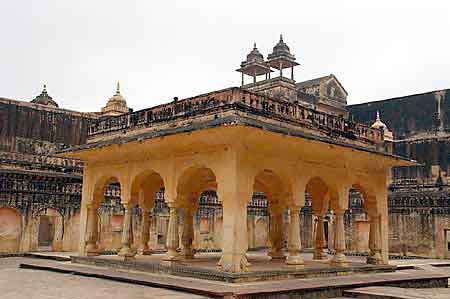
point(238, 141)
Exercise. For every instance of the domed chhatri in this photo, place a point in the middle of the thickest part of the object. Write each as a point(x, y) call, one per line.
point(254, 65)
point(281, 48)
point(44, 99)
point(117, 97)
point(254, 56)
point(378, 124)
point(281, 58)
point(116, 104)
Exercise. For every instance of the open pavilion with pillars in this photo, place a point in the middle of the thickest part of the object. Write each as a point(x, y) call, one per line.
point(236, 142)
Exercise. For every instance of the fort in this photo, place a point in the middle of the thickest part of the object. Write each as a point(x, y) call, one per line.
point(166, 178)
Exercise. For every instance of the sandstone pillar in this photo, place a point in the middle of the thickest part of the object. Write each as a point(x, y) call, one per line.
point(294, 239)
point(319, 243)
point(188, 235)
point(153, 242)
point(374, 241)
point(235, 189)
point(235, 239)
point(276, 233)
point(172, 241)
point(126, 252)
point(383, 223)
point(91, 231)
point(145, 234)
point(339, 240)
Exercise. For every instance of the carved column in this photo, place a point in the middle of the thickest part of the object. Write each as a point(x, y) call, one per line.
point(276, 233)
point(374, 241)
point(339, 240)
point(295, 244)
point(188, 234)
point(153, 242)
point(172, 241)
point(91, 231)
point(319, 244)
point(145, 233)
point(126, 250)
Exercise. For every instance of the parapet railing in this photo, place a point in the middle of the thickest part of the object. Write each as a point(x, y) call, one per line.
point(236, 99)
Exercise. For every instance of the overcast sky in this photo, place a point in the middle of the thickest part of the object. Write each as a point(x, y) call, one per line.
point(162, 49)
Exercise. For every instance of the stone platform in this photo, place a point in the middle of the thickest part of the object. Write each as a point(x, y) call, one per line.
point(325, 287)
point(204, 266)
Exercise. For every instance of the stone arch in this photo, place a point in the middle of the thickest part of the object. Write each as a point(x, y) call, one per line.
point(197, 185)
point(319, 192)
point(361, 203)
point(107, 195)
point(144, 187)
point(278, 192)
point(101, 187)
point(273, 185)
point(192, 182)
point(10, 229)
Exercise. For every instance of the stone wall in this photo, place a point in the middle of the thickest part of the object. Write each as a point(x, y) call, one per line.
point(38, 129)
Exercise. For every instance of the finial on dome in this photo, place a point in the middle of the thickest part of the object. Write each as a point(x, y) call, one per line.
point(281, 37)
point(45, 88)
point(254, 46)
point(118, 88)
point(378, 115)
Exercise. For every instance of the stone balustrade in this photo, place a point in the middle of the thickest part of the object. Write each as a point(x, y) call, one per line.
point(239, 100)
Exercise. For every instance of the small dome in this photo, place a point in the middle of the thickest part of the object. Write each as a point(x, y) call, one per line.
point(116, 105)
point(378, 124)
point(117, 98)
point(281, 47)
point(44, 99)
point(281, 50)
point(255, 55)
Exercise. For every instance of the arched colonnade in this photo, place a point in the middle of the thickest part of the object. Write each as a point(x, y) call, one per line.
point(235, 182)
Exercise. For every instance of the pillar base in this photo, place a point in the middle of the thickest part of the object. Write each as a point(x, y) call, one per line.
point(375, 259)
point(233, 263)
point(339, 260)
point(144, 251)
point(187, 254)
point(92, 253)
point(294, 260)
point(320, 255)
point(171, 256)
point(126, 253)
point(276, 255)
point(92, 250)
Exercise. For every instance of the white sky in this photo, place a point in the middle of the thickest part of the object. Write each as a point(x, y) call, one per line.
point(162, 49)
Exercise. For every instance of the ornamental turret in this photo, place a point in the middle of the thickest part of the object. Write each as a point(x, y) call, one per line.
point(116, 105)
point(281, 58)
point(44, 99)
point(378, 124)
point(254, 65)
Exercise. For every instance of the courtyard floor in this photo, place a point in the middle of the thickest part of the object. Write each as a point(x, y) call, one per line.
point(30, 284)
point(18, 283)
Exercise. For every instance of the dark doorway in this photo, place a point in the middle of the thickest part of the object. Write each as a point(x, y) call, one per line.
point(46, 232)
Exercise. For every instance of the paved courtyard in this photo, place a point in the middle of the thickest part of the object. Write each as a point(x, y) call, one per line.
point(30, 284)
point(18, 283)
